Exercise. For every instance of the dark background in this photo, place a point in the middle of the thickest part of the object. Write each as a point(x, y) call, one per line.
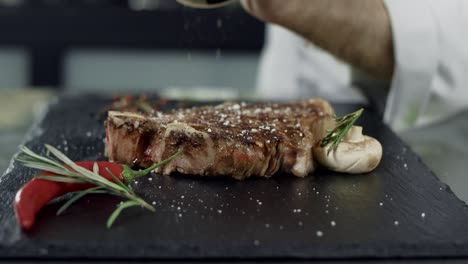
point(48, 29)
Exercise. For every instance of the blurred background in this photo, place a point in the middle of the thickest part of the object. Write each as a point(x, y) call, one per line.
point(111, 46)
point(115, 46)
point(122, 45)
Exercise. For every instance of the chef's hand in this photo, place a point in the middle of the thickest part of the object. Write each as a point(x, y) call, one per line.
point(356, 31)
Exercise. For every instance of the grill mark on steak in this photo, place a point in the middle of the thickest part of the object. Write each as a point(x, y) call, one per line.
point(232, 139)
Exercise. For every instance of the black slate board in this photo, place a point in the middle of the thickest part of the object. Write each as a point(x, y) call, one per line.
point(223, 218)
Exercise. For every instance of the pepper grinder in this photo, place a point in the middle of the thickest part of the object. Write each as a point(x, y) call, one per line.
point(205, 3)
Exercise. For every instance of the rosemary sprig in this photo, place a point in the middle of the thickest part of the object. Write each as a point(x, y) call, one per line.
point(62, 169)
point(343, 125)
point(76, 197)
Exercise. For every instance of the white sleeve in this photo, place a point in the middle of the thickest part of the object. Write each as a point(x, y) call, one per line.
point(431, 53)
point(279, 64)
point(291, 68)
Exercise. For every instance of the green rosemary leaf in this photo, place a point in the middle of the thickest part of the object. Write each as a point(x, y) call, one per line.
point(120, 208)
point(76, 197)
point(38, 157)
point(96, 168)
point(26, 158)
point(343, 125)
point(82, 171)
point(57, 153)
point(97, 178)
point(130, 189)
point(59, 179)
point(45, 167)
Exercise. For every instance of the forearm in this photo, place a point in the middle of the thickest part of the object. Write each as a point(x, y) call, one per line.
point(357, 32)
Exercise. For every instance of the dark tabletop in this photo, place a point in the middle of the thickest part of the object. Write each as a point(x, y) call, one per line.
point(401, 210)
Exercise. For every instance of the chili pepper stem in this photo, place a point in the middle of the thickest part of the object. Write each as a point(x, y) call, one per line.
point(129, 175)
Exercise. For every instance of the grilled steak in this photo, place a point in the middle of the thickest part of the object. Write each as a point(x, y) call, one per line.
point(232, 139)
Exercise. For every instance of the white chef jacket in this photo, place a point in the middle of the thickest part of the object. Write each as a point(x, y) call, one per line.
point(431, 75)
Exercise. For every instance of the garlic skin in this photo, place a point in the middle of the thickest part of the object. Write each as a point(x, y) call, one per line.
point(356, 153)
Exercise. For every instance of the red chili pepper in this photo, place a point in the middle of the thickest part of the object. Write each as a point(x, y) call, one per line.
point(38, 192)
